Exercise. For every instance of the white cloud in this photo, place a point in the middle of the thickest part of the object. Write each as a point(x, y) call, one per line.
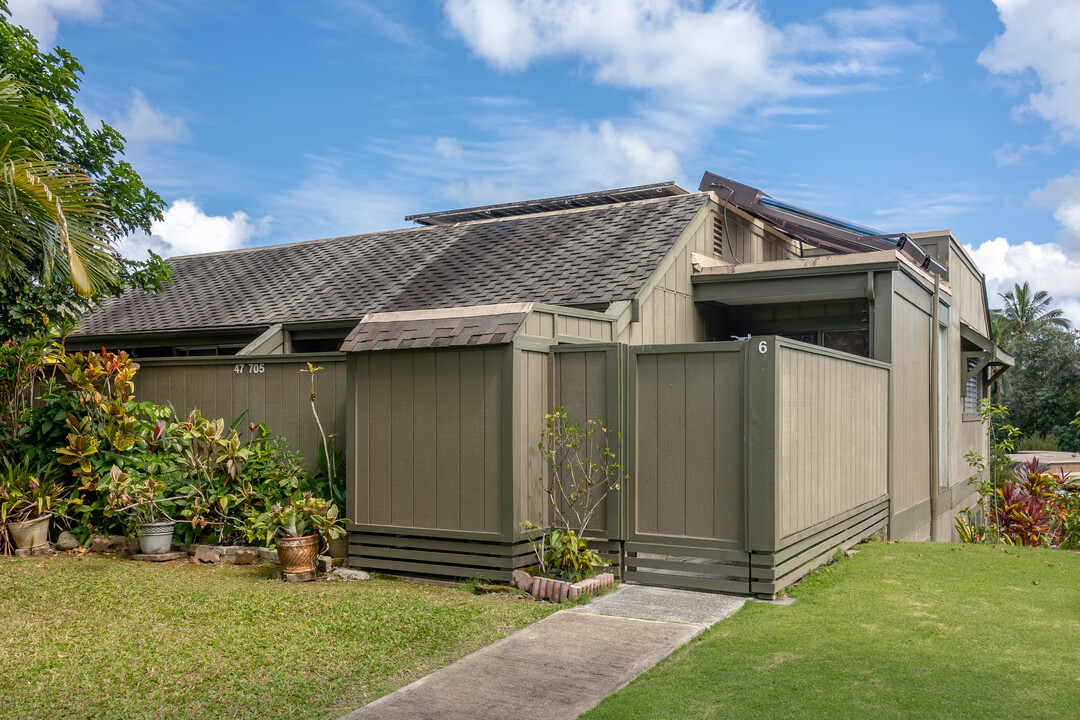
point(142, 123)
point(606, 157)
point(712, 63)
point(1045, 266)
point(186, 230)
point(328, 203)
point(1062, 194)
point(1042, 36)
point(42, 17)
point(1010, 155)
point(448, 148)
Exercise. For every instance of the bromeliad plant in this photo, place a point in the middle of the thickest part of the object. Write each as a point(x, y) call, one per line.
point(28, 492)
point(303, 515)
point(582, 469)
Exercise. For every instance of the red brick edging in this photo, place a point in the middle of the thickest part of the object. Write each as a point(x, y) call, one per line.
point(559, 590)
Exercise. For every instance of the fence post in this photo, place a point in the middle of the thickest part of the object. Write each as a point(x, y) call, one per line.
point(762, 481)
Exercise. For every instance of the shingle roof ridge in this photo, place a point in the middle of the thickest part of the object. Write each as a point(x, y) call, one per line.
point(420, 228)
point(552, 257)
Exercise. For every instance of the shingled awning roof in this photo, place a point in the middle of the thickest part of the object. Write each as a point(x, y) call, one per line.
point(449, 327)
point(585, 256)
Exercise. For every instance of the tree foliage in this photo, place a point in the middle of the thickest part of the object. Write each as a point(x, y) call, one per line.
point(1043, 392)
point(54, 77)
point(1026, 312)
point(53, 219)
point(67, 182)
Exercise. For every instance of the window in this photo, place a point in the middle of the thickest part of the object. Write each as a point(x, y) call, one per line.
point(972, 391)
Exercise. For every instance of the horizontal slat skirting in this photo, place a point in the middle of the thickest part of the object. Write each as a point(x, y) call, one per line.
point(694, 583)
point(771, 588)
point(734, 571)
point(471, 547)
point(467, 535)
point(766, 571)
point(707, 553)
point(438, 555)
point(832, 522)
point(425, 569)
point(443, 558)
point(791, 550)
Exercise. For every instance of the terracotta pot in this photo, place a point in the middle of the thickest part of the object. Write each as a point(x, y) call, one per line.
point(297, 554)
point(30, 534)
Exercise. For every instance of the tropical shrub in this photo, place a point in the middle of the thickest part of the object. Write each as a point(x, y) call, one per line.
point(582, 469)
point(1019, 504)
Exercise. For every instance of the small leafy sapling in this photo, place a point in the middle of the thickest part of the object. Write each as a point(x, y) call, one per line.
point(582, 469)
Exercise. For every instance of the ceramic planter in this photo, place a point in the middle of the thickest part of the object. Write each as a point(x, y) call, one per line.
point(156, 538)
point(31, 533)
point(298, 554)
point(339, 547)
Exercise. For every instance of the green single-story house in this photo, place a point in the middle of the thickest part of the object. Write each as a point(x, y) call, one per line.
point(786, 383)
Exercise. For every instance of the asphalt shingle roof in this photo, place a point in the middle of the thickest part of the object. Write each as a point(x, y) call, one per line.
point(462, 331)
point(593, 255)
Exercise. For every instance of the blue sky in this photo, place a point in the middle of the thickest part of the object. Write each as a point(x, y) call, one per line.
point(266, 122)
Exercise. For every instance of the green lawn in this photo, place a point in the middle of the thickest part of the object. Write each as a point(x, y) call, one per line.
point(93, 637)
point(908, 630)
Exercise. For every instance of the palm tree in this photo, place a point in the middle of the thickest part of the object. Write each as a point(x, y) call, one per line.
point(54, 223)
point(1026, 312)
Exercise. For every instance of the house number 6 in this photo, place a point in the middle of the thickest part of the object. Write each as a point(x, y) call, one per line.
point(763, 347)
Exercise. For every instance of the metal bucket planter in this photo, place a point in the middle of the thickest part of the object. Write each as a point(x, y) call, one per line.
point(156, 538)
point(30, 534)
point(298, 554)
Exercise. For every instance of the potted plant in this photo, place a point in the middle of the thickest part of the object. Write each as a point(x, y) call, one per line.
point(297, 527)
point(142, 497)
point(29, 497)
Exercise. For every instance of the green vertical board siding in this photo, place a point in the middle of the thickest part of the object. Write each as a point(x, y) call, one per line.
point(380, 401)
point(448, 401)
point(423, 433)
point(833, 436)
point(472, 426)
point(911, 421)
point(533, 386)
point(699, 457)
point(402, 478)
point(645, 479)
point(429, 453)
point(726, 431)
point(688, 478)
point(671, 444)
point(278, 396)
point(582, 387)
point(359, 438)
point(493, 433)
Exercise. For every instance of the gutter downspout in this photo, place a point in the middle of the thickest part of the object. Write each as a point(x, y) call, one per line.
point(935, 400)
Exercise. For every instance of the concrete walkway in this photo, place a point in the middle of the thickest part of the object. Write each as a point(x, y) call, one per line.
point(563, 665)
